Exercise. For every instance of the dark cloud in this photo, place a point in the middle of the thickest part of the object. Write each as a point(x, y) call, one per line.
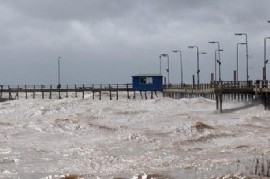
point(103, 41)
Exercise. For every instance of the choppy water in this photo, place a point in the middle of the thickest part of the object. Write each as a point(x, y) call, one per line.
point(127, 138)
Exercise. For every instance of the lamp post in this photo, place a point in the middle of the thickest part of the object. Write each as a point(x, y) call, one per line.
point(181, 64)
point(240, 34)
point(237, 57)
point(219, 64)
point(216, 42)
point(160, 64)
point(59, 84)
point(168, 63)
point(198, 62)
point(265, 60)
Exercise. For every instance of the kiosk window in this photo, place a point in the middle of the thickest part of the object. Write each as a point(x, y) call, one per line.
point(146, 80)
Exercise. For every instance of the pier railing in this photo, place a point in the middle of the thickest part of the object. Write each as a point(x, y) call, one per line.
point(222, 84)
point(85, 87)
point(13, 91)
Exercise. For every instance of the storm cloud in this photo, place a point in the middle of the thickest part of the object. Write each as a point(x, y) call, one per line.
point(108, 41)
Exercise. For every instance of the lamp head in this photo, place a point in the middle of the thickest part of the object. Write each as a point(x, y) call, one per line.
point(163, 55)
point(191, 46)
point(175, 51)
point(203, 53)
point(238, 34)
point(212, 42)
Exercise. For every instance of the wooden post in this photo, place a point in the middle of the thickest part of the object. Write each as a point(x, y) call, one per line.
point(93, 91)
point(100, 92)
point(134, 94)
point(145, 94)
point(110, 92)
point(220, 100)
point(34, 94)
point(17, 94)
point(50, 97)
point(152, 95)
point(217, 100)
point(128, 92)
point(9, 93)
point(156, 94)
point(42, 92)
point(1, 91)
point(76, 95)
point(265, 102)
point(83, 92)
point(67, 92)
point(117, 92)
point(212, 78)
point(59, 93)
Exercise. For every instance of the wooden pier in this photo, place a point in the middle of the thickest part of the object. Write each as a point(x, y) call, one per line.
point(9, 92)
point(218, 91)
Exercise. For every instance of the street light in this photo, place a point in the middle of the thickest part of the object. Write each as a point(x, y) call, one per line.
point(59, 84)
point(240, 34)
point(219, 64)
point(216, 42)
point(160, 64)
point(265, 61)
point(168, 62)
point(198, 62)
point(181, 63)
point(237, 57)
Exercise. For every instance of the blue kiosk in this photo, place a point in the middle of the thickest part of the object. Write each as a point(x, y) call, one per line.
point(147, 82)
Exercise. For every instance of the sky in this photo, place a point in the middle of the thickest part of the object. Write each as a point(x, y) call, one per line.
point(108, 41)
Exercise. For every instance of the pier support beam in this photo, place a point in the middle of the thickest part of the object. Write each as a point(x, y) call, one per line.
point(220, 102)
point(217, 101)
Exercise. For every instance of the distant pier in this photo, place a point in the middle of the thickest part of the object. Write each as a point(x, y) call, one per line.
point(11, 92)
point(218, 91)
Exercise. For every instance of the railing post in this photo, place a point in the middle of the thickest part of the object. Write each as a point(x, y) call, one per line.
point(110, 92)
point(76, 95)
point(50, 97)
point(59, 93)
point(67, 92)
point(100, 92)
point(34, 94)
point(93, 90)
point(25, 89)
point(17, 94)
point(1, 95)
point(83, 92)
point(128, 92)
point(117, 92)
point(42, 92)
point(9, 93)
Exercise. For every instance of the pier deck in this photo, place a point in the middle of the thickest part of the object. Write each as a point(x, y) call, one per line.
point(216, 91)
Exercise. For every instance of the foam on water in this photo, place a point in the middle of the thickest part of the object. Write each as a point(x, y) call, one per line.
point(127, 138)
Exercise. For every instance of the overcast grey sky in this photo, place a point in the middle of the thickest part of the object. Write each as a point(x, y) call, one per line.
point(108, 41)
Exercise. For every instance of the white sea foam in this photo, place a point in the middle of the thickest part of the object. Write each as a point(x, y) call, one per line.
point(125, 138)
